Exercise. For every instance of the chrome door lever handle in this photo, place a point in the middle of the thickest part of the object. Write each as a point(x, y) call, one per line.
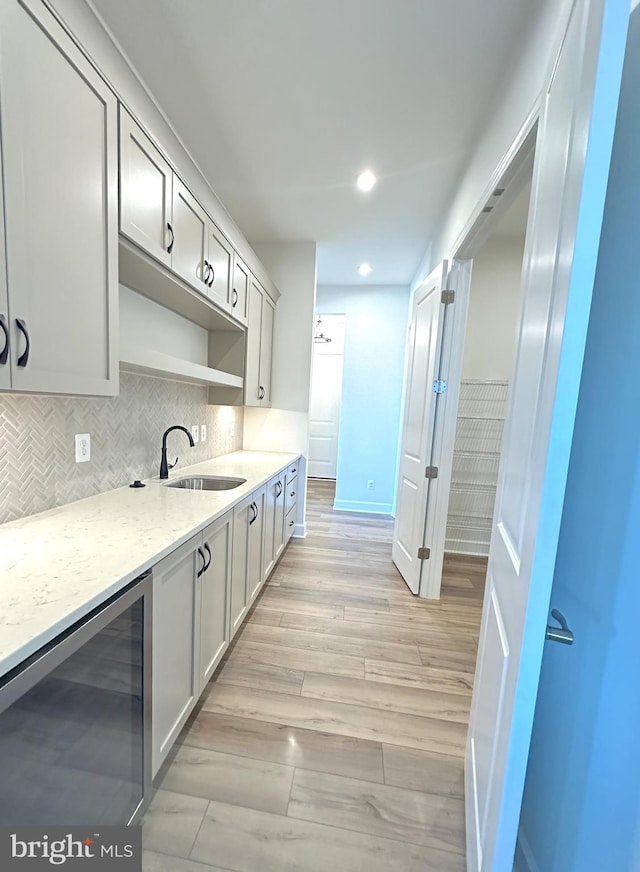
point(559, 634)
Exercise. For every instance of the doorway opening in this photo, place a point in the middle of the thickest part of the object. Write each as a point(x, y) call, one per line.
point(326, 396)
point(487, 365)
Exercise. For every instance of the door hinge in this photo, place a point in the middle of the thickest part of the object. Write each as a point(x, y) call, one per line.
point(439, 386)
point(424, 553)
point(431, 472)
point(448, 297)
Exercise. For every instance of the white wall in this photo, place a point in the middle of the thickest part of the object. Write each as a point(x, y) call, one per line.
point(375, 340)
point(490, 340)
point(512, 106)
point(285, 426)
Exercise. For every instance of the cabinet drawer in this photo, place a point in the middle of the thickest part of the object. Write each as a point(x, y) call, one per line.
point(289, 523)
point(290, 495)
point(292, 472)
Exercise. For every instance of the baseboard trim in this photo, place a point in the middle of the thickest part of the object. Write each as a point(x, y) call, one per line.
point(300, 531)
point(366, 507)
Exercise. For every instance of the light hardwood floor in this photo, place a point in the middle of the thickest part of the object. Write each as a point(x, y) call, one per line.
point(332, 736)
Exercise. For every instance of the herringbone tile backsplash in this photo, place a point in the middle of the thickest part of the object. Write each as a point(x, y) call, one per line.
point(37, 447)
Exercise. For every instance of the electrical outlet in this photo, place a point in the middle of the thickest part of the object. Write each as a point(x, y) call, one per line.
point(203, 432)
point(83, 447)
point(371, 484)
point(195, 433)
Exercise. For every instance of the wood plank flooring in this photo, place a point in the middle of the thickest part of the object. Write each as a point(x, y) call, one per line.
point(333, 734)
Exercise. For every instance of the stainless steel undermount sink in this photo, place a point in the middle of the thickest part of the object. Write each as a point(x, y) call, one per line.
point(206, 482)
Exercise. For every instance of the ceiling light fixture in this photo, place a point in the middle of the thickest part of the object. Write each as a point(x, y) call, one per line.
point(364, 269)
point(366, 180)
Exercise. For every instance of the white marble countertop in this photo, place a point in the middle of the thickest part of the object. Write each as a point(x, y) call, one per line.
point(55, 567)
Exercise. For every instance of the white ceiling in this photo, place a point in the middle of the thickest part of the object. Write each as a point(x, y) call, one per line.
point(283, 102)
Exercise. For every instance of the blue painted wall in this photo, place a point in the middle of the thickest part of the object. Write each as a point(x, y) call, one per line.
point(581, 809)
point(371, 391)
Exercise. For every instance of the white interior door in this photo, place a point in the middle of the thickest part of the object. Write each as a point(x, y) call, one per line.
point(326, 397)
point(421, 362)
point(570, 177)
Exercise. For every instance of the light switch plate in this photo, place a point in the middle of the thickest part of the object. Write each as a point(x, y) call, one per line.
point(195, 433)
point(83, 447)
point(203, 432)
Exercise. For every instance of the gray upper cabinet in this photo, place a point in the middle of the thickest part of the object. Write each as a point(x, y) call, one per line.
point(218, 271)
point(259, 347)
point(5, 363)
point(60, 167)
point(191, 237)
point(146, 185)
point(240, 291)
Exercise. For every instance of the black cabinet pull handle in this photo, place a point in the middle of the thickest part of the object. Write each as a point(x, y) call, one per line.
point(234, 297)
point(204, 562)
point(213, 276)
point(291, 523)
point(261, 393)
point(173, 238)
point(208, 550)
point(254, 509)
point(4, 354)
point(23, 360)
point(280, 489)
point(205, 276)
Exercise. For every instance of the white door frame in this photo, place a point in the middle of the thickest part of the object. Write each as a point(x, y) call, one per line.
point(510, 176)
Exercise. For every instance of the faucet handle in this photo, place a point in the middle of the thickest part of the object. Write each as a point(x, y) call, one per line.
point(171, 465)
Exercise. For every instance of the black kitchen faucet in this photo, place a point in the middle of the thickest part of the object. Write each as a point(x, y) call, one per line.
point(164, 466)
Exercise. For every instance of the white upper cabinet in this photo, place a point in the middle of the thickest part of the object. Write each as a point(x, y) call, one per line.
point(60, 167)
point(218, 268)
point(146, 184)
point(5, 362)
point(240, 291)
point(259, 347)
point(190, 246)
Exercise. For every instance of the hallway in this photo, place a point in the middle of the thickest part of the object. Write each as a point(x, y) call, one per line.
point(333, 734)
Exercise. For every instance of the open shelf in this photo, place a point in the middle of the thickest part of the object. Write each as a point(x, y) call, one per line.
point(139, 271)
point(161, 365)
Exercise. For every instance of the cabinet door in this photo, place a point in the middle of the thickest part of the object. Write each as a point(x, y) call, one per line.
point(60, 153)
point(145, 191)
point(239, 598)
point(214, 596)
point(175, 685)
point(289, 523)
point(269, 527)
point(191, 236)
point(278, 524)
point(5, 332)
point(256, 544)
point(252, 391)
point(240, 291)
point(219, 259)
point(266, 347)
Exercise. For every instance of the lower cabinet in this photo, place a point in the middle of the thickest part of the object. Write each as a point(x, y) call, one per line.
point(248, 542)
point(215, 588)
point(190, 628)
point(274, 523)
point(201, 594)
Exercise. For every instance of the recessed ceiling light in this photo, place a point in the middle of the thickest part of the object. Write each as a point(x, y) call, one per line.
point(366, 180)
point(364, 269)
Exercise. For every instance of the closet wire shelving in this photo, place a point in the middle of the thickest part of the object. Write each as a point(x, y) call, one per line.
point(476, 458)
